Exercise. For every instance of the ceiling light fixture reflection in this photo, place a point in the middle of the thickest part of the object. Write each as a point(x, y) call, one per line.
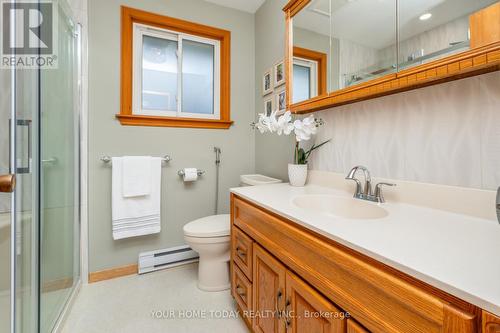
point(425, 16)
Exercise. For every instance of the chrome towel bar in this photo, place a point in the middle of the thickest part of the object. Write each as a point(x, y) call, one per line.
point(107, 159)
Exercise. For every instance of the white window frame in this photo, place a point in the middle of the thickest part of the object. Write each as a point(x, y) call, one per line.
point(141, 30)
point(313, 73)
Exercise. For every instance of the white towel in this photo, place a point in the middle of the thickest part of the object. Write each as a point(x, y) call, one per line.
point(138, 215)
point(136, 176)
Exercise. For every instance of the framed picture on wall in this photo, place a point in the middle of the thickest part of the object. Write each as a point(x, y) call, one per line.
point(268, 106)
point(280, 101)
point(267, 82)
point(279, 73)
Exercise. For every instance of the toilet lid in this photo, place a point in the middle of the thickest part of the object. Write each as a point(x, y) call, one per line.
point(209, 226)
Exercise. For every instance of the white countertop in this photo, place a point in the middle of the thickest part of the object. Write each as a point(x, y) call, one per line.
point(456, 253)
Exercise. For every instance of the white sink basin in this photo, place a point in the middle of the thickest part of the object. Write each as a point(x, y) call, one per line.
point(348, 208)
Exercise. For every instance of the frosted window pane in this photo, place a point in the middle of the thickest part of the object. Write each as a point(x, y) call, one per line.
point(197, 77)
point(301, 83)
point(159, 74)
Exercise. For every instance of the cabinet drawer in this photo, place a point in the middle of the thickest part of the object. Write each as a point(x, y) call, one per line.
point(380, 298)
point(354, 327)
point(241, 251)
point(241, 289)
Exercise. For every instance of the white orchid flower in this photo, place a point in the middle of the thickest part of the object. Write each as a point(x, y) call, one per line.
point(302, 133)
point(310, 124)
point(303, 129)
point(260, 123)
point(273, 122)
point(284, 124)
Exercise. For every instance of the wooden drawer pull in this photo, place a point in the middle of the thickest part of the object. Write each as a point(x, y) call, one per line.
point(278, 298)
point(240, 290)
point(240, 252)
point(288, 322)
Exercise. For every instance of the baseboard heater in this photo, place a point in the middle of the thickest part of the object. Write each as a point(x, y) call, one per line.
point(160, 259)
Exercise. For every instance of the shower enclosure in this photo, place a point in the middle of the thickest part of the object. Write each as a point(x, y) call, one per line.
point(40, 220)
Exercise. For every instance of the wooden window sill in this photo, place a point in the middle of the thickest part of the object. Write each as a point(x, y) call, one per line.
point(142, 120)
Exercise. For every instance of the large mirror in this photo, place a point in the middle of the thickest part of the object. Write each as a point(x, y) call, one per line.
point(356, 37)
point(349, 50)
point(433, 29)
point(365, 34)
point(312, 47)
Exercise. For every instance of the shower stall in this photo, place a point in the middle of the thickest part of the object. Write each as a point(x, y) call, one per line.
point(40, 219)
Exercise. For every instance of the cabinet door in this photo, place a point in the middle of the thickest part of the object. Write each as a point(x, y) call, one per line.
point(306, 311)
point(268, 292)
point(354, 327)
point(491, 323)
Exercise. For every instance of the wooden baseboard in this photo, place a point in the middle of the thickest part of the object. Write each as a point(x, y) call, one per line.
point(112, 273)
point(57, 285)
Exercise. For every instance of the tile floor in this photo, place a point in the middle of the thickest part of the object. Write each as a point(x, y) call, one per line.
point(154, 302)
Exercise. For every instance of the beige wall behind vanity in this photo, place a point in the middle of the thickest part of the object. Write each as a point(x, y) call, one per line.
point(188, 147)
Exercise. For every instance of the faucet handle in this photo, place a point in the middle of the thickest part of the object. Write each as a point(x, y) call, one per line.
point(378, 191)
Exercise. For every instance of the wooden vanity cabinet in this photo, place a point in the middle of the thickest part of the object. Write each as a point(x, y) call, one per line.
point(298, 274)
point(284, 302)
point(490, 323)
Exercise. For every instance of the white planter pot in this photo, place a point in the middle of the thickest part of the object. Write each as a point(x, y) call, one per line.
point(297, 174)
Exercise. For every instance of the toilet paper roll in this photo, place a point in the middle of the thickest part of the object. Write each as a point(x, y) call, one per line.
point(190, 174)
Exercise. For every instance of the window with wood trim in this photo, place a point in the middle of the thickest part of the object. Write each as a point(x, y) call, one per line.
point(309, 74)
point(174, 73)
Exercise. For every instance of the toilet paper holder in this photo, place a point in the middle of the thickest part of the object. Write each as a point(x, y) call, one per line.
point(199, 172)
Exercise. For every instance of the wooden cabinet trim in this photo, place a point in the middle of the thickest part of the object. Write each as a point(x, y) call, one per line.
point(354, 327)
point(483, 57)
point(329, 263)
point(490, 323)
point(484, 27)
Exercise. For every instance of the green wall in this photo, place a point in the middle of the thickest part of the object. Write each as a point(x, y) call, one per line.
point(272, 152)
point(188, 147)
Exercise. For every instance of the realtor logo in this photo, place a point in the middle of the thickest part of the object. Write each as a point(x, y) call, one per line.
point(29, 34)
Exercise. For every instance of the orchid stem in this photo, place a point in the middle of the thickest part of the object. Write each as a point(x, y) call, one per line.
point(296, 157)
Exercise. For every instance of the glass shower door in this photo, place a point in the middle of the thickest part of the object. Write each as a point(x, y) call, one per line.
point(39, 221)
point(59, 205)
point(19, 210)
point(5, 201)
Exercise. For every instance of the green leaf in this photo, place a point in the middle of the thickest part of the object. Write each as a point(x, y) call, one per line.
point(314, 147)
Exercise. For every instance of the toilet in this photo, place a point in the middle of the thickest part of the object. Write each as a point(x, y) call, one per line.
point(210, 237)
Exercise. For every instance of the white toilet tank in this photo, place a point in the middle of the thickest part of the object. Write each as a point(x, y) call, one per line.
point(252, 180)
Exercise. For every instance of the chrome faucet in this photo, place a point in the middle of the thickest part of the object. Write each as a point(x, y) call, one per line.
point(365, 192)
point(368, 181)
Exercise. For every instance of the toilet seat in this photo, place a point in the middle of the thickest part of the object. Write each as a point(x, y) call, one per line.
point(209, 227)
